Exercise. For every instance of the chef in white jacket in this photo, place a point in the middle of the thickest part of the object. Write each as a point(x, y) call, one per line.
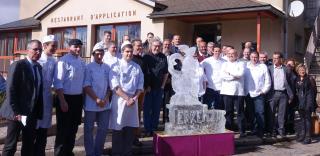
point(232, 89)
point(48, 62)
point(96, 106)
point(126, 82)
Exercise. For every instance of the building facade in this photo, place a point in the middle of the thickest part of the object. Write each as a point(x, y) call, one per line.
point(229, 22)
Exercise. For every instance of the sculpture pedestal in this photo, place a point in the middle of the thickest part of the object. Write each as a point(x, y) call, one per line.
point(194, 145)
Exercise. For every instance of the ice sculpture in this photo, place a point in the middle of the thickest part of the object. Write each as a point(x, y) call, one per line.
point(186, 114)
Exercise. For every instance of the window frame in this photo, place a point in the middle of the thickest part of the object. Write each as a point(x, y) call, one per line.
point(113, 29)
point(73, 36)
point(16, 41)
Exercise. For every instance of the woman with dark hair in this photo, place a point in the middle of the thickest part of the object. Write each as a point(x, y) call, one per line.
point(305, 96)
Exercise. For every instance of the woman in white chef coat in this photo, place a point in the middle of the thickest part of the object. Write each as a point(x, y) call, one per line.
point(126, 82)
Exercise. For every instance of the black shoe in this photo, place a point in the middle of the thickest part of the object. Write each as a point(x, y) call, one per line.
point(259, 135)
point(147, 134)
point(268, 135)
point(281, 136)
point(300, 138)
point(137, 142)
point(242, 135)
point(307, 141)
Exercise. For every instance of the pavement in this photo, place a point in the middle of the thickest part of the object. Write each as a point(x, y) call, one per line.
point(250, 145)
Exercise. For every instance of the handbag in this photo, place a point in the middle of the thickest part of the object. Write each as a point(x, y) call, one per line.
point(315, 124)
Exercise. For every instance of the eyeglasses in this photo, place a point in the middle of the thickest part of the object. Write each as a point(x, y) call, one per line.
point(37, 50)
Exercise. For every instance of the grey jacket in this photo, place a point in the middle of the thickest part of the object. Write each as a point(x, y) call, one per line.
point(288, 75)
point(19, 92)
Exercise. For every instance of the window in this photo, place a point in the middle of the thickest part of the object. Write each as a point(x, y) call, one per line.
point(13, 42)
point(63, 36)
point(118, 31)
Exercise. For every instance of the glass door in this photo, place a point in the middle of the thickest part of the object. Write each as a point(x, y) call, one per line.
point(121, 30)
point(100, 31)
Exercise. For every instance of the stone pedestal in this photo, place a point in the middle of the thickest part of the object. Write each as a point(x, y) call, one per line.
point(194, 145)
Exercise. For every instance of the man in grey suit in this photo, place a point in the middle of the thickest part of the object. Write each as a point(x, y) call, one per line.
point(279, 96)
point(23, 105)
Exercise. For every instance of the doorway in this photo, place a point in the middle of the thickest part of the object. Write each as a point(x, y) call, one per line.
point(209, 32)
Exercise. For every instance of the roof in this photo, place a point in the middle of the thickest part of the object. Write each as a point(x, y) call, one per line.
point(27, 23)
point(201, 7)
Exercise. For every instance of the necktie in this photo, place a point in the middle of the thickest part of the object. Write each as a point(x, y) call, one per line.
point(35, 78)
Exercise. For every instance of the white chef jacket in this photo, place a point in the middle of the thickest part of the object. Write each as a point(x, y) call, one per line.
point(97, 77)
point(69, 74)
point(232, 83)
point(110, 60)
point(48, 64)
point(128, 76)
point(212, 69)
point(257, 79)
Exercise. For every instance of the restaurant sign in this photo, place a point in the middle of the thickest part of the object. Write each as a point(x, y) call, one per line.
point(94, 16)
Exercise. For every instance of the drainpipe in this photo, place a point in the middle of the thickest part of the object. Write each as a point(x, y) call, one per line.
point(285, 28)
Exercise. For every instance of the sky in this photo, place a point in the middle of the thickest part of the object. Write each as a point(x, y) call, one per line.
point(9, 11)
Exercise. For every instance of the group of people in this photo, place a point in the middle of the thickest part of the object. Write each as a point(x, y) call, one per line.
point(108, 90)
point(117, 85)
point(264, 93)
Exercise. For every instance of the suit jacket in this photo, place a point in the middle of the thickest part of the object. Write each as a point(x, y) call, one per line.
point(20, 89)
point(288, 77)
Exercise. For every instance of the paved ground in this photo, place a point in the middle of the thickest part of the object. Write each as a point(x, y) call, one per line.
point(251, 146)
point(290, 148)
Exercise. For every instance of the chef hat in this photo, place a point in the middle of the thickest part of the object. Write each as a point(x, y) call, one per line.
point(49, 38)
point(125, 43)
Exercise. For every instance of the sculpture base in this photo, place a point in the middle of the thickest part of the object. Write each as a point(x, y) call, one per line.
point(194, 145)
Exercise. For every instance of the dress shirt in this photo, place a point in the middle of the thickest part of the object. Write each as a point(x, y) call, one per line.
point(97, 77)
point(109, 59)
point(279, 78)
point(48, 64)
point(232, 74)
point(127, 75)
point(257, 79)
point(212, 69)
point(69, 74)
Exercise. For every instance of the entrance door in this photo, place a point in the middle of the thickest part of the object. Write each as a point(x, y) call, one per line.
point(209, 32)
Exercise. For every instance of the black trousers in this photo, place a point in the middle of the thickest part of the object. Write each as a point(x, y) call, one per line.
point(289, 123)
point(278, 105)
point(67, 125)
point(41, 141)
point(249, 112)
point(230, 102)
point(28, 137)
point(305, 123)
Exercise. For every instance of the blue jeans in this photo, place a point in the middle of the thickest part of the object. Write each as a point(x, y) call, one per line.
point(151, 109)
point(259, 120)
point(213, 99)
point(94, 145)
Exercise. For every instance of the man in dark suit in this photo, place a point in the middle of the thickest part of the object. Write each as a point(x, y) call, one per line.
point(279, 96)
point(23, 106)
